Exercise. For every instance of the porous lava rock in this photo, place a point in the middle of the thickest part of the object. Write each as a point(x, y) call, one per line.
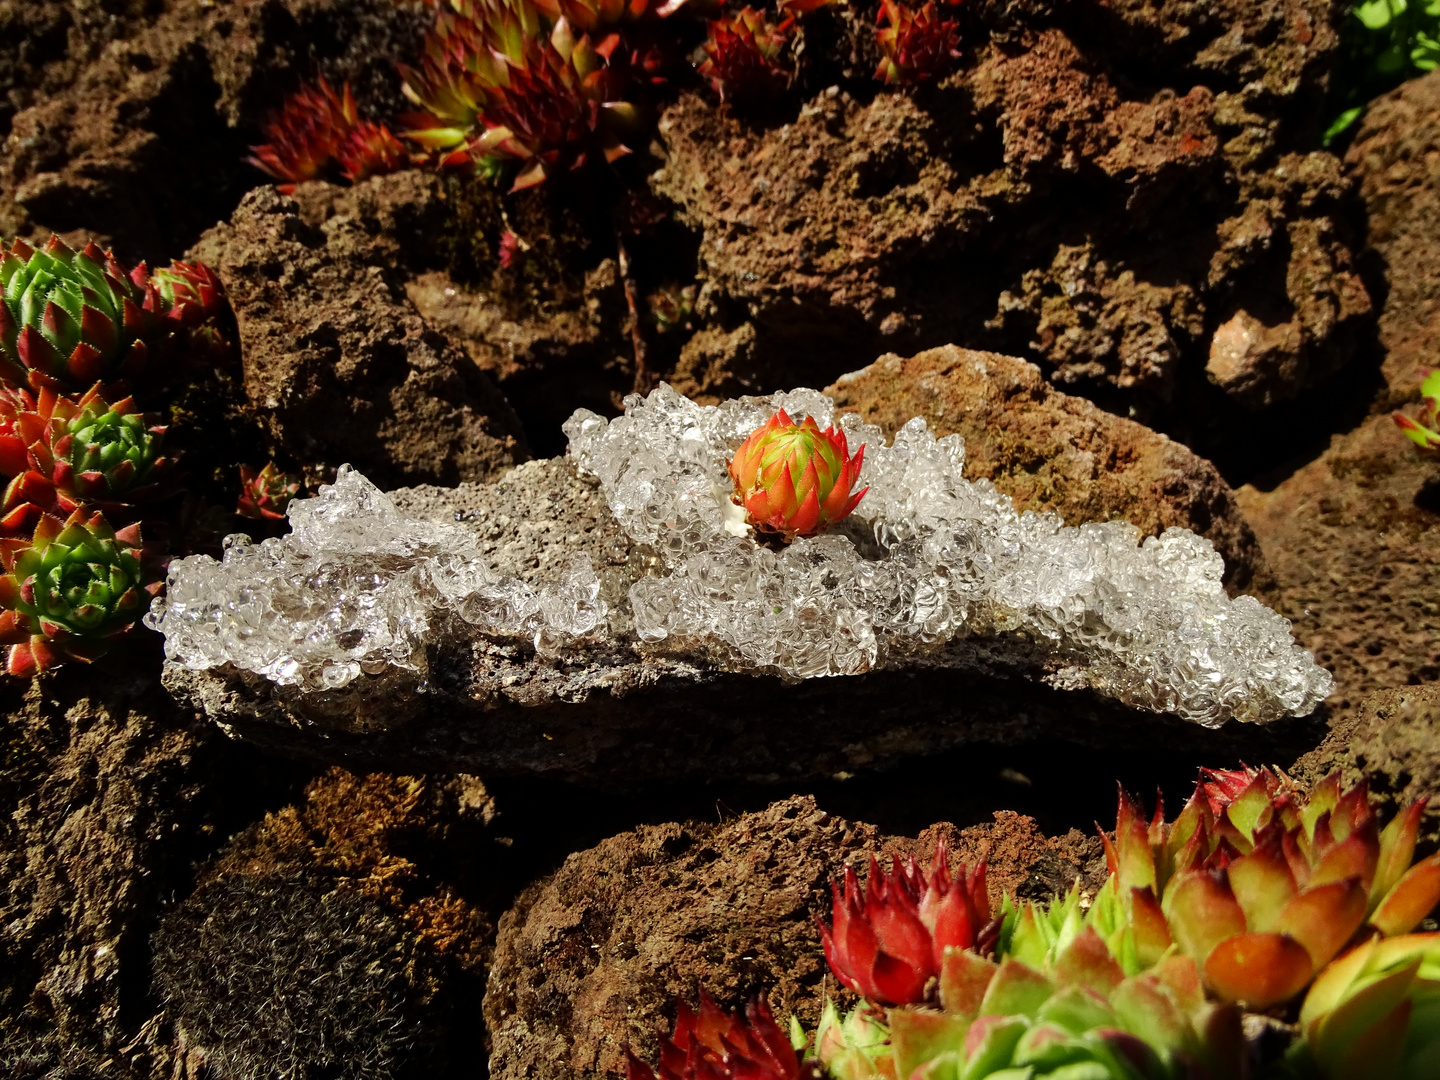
point(141, 134)
point(1353, 537)
point(338, 366)
point(596, 955)
point(1392, 742)
point(107, 793)
point(611, 714)
point(1123, 193)
point(1051, 451)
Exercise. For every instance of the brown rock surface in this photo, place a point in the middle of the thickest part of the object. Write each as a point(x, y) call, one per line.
point(106, 794)
point(1353, 537)
point(1051, 451)
point(339, 935)
point(339, 367)
point(1392, 741)
point(597, 954)
point(143, 144)
point(1038, 203)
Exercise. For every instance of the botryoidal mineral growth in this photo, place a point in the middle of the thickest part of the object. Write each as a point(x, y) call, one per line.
point(926, 558)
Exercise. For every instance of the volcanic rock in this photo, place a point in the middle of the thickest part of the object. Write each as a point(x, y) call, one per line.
point(107, 792)
point(1392, 742)
point(597, 954)
point(1052, 451)
point(338, 366)
point(141, 142)
point(1353, 537)
point(1040, 203)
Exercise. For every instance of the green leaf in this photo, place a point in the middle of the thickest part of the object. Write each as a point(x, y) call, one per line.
point(1377, 14)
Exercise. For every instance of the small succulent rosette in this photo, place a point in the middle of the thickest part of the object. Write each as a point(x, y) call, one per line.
point(69, 590)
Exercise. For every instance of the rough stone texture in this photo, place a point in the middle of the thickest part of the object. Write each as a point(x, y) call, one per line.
point(106, 793)
point(142, 141)
point(43, 42)
point(1392, 740)
point(598, 953)
point(1396, 159)
point(1051, 451)
point(610, 714)
point(338, 365)
point(1101, 188)
point(1353, 537)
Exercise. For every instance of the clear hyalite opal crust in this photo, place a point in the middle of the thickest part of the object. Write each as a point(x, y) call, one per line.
point(928, 557)
point(356, 586)
point(929, 568)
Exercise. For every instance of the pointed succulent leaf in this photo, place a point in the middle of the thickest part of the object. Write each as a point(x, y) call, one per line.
point(918, 1035)
point(1397, 850)
point(1413, 897)
point(964, 978)
point(1374, 1003)
point(1323, 918)
point(990, 1044)
point(1087, 962)
point(1016, 990)
point(1202, 912)
point(1354, 856)
point(1262, 880)
point(1076, 1010)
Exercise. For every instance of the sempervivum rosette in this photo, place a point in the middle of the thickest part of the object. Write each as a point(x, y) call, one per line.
point(264, 494)
point(69, 589)
point(90, 451)
point(794, 479)
point(75, 316)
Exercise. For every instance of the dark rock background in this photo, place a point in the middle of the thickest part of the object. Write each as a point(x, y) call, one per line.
point(1122, 202)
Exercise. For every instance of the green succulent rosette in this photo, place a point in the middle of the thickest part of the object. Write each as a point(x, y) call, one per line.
point(69, 589)
point(105, 453)
point(75, 317)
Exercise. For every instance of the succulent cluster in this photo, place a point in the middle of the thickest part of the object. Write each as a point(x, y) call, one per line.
point(1256, 899)
point(712, 1044)
point(539, 84)
point(915, 45)
point(265, 493)
point(318, 130)
point(743, 54)
point(794, 479)
point(524, 89)
point(83, 339)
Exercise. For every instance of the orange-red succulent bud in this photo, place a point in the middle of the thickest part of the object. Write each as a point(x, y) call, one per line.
point(888, 943)
point(794, 479)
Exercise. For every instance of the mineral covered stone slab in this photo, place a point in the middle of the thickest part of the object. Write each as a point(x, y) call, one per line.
point(610, 612)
